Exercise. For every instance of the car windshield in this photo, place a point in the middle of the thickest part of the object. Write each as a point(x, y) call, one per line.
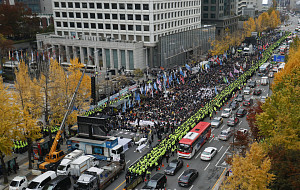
point(240, 111)
point(231, 119)
point(60, 167)
point(184, 148)
point(33, 185)
point(14, 183)
point(205, 153)
point(48, 187)
point(152, 183)
point(247, 88)
point(224, 133)
point(215, 121)
point(83, 185)
point(226, 111)
point(173, 164)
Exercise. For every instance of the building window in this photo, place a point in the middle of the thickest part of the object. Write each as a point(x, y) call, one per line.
point(130, 27)
point(92, 15)
point(138, 28)
point(107, 26)
point(64, 14)
point(137, 6)
point(93, 25)
point(115, 55)
point(72, 24)
point(205, 2)
point(114, 16)
point(71, 15)
point(106, 5)
point(79, 25)
point(137, 17)
point(115, 26)
point(212, 15)
point(99, 16)
point(146, 28)
point(78, 15)
point(121, 6)
point(131, 63)
point(123, 59)
point(58, 24)
point(77, 5)
point(84, 5)
point(213, 1)
point(114, 6)
point(146, 17)
point(107, 16)
point(85, 15)
point(145, 6)
point(86, 25)
point(130, 17)
point(205, 8)
point(70, 5)
point(65, 24)
point(146, 38)
point(100, 26)
point(205, 15)
point(123, 27)
point(57, 14)
point(63, 4)
point(99, 5)
point(107, 55)
point(56, 4)
point(122, 16)
point(213, 8)
point(129, 6)
point(92, 5)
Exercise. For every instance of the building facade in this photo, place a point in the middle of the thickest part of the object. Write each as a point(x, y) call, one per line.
point(123, 33)
point(221, 13)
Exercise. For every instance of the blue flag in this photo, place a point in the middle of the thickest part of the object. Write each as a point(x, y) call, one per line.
point(216, 91)
point(180, 71)
point(187, 67)
point(178, 81)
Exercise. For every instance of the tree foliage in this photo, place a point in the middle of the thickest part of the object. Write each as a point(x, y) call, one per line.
point(250, 172)
point(249, 26)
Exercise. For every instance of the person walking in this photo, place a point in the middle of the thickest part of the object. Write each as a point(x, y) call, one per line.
point(167, 157)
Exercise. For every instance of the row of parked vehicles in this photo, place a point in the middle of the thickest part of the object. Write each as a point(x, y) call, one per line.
point(84, 169)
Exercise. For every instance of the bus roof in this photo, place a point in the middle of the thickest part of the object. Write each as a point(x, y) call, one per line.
point(191, 136)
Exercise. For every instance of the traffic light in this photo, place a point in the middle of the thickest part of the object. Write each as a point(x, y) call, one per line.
point(93, 89)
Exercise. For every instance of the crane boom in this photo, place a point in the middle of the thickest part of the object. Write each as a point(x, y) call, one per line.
point(59, 132)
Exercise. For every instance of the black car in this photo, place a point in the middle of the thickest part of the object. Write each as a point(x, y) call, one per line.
point(60, 182)
point(234, 105)
point(240, 98)
point(252, 84)
point(158, 181)
point(248, 102)
point(241, 112)
point(257, 92)
point(173, 167)
point(188, 177)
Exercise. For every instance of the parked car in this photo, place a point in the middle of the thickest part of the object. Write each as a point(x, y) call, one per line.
point(208, 153)
point(18, 183)
point(226, 112)
point(216, 122)
point(232, 121)
point(247, 90)
point(242, 131)
point(225, 134)
point(271, 75)
point(173, 167)
point(188, 177)
point(240, 98)
point(263, 99)
point(241, 112)
point(60, 182)
point(234, 105)
point(248, 102)
point(252, 84)
point(257, 92)
point(40, 181)
point(158, 181)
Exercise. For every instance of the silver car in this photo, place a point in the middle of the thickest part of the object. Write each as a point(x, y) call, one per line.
point(226, 112)
point(247, 90)
point(225, 134)
point(216, 122)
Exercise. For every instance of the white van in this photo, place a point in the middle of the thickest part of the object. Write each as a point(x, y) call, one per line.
point(64, 166)
point(264, 81)
point(40, 181)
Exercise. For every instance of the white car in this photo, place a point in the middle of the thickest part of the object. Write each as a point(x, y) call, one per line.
point(226, 112)
point(18, 183)
point(247, 90)
point(208, 153)
point(242, 131)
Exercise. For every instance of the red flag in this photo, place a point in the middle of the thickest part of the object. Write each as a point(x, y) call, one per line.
point(242, 68)
point(162, 68)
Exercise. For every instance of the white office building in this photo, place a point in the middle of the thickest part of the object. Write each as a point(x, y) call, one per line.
point(117, 34)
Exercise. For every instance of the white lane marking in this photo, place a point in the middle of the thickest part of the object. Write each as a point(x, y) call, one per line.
point(212, 129)
point(198, 155)
point(127, 162)
point(211, 139)
point(254, 104)
point(222, 156)
point(206, 166)
point(191, 187)
point(222, 126)
point(240, 122)
point(220, 149)
point(180, 175)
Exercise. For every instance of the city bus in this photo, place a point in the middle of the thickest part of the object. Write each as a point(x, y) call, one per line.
point(264, 69)
point(194, 140)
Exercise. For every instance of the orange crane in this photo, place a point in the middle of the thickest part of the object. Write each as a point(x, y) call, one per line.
point(55, 156)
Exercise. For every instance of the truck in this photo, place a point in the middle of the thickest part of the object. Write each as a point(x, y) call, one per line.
point(283, 50)
point(65, 165)
point(248, 50)
point(264, 81)
point(81, 164)
point(99, 178)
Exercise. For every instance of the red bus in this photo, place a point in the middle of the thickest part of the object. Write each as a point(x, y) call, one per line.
point(194, 140)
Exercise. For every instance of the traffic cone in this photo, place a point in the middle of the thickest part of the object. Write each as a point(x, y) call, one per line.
point(162, 165)
point(158, 168)
point(145, 179)
point(187, 165)
point(213, 135)
point(221, 108)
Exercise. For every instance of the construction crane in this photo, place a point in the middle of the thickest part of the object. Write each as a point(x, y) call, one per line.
point(55, 156)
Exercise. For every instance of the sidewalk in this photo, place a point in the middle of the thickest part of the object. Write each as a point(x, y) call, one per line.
point(22, 160)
